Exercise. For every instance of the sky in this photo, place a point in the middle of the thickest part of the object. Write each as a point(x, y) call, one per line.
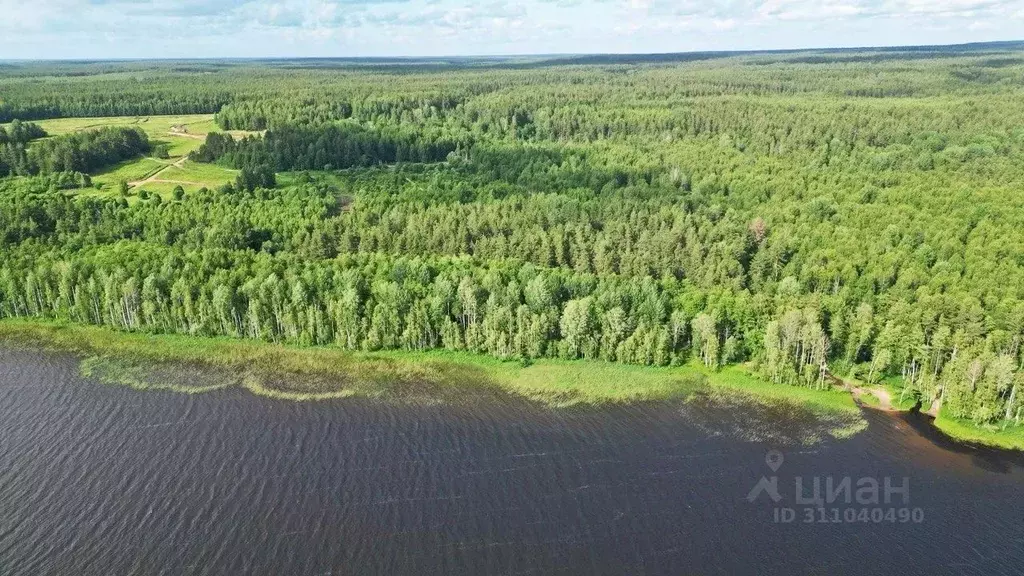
point(78, 29)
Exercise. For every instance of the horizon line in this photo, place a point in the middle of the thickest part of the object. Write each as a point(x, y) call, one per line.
point(886, 47)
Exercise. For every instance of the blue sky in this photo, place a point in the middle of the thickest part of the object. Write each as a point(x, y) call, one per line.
point(254, 28)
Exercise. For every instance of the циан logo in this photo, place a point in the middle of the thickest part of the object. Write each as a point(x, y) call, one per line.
point(774, 460)
point(834, 500)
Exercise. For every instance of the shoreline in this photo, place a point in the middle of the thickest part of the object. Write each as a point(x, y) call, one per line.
point(297, 373)
point(190, 364)
point(554, 382)
point(878, 398)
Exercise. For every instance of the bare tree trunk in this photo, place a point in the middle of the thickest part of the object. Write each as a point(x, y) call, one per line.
point(1009, 403)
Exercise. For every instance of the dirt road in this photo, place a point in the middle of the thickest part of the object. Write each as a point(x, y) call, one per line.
point(155, 177)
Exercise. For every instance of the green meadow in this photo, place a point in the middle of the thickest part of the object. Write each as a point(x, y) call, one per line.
point(129, 171)
point(160, 129)
point(181, 134)
point(154, 126)
point(191, 176)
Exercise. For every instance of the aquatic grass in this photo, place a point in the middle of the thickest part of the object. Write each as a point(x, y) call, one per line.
point(172, 362)
point(753, 418)
point(566, 383)
point(258, 385)
point(171, 376)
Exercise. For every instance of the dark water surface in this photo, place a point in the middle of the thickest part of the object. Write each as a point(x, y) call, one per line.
point(100, 480)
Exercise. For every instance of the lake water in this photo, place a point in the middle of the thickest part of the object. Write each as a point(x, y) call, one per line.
point(102, 480)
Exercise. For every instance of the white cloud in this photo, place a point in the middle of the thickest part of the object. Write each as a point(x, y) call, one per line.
point(978, 25)
point(82, 28)
point(19, 15)
point(810, 9)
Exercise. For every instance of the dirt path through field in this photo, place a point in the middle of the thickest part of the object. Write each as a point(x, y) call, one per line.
point(188, 135)
point(155, 176)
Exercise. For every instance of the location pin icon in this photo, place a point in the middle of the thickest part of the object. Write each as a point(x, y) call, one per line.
point(774, 460)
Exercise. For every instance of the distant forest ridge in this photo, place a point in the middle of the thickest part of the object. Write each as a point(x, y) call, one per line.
point(814, 55)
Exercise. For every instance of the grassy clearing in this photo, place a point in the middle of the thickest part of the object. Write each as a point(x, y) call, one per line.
point(191, 176)
point(177, 146)
point(195, 365)
point(154, 126)
point(129, 171)
point(181, 134)
point(160, 129)
point(209, 175)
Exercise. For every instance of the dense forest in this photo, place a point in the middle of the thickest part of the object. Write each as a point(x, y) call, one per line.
point(856, 214)
point(77, 153)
